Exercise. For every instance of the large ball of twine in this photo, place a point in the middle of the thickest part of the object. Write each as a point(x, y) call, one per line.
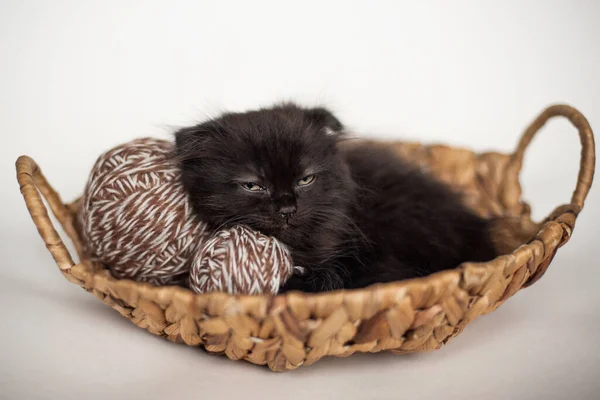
point(136, 219)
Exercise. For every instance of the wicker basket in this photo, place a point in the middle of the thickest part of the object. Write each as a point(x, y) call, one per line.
point(287, 331)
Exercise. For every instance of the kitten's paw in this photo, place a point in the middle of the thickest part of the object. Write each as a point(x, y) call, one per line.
point(321, 280)
point(297, 283)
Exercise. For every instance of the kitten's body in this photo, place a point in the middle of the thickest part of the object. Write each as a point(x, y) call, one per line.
point(366, 217)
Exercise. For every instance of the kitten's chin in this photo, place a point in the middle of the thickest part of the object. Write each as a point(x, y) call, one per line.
point(279, 231)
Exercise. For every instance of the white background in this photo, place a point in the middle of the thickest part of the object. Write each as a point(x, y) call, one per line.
point(77, 77)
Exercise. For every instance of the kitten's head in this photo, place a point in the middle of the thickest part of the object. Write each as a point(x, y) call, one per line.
point(276, 170)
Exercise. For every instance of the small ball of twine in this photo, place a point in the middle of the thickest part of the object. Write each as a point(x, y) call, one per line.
point(241, 261)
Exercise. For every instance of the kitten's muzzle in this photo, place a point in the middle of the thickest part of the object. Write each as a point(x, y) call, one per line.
point(286, 212)
point(286, 206)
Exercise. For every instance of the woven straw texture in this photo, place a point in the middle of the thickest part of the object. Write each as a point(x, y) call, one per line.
point(296, 329)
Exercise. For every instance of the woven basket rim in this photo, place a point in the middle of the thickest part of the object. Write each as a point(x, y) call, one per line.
point(554, 231)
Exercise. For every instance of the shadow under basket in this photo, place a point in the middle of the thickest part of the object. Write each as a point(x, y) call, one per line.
point(294, 329)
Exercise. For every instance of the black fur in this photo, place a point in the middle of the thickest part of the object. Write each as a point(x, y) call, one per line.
point(367, 217)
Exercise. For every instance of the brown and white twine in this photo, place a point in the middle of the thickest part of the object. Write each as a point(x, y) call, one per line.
point(135, 215)
point(240, 260)
point(137, 220)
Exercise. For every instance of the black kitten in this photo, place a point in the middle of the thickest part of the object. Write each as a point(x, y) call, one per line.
point(352, 214)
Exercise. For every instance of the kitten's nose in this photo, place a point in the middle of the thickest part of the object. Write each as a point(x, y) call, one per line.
point(287, 211)
point(286, 205)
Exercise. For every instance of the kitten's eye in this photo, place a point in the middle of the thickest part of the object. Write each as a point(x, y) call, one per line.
point(253, 187)
point(307, 180)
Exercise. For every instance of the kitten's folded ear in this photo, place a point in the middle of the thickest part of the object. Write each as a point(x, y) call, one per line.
point(191, 141)
point(324, 118)
point(187, 141)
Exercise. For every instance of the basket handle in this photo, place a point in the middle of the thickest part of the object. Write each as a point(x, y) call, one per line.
point(588, 155)
point(32, 183)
